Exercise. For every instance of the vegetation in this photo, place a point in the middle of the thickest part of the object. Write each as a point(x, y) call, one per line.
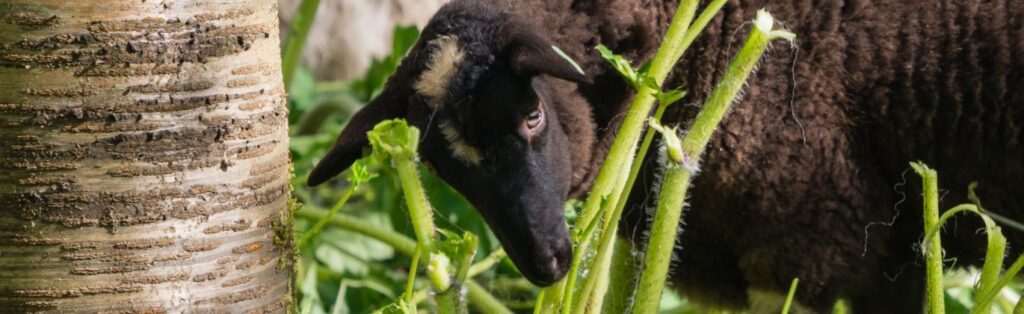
point(348, 253)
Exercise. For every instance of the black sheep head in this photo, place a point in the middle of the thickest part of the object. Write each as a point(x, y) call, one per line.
point(489, 125)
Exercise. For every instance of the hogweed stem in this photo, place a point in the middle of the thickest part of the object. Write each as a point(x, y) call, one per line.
point(679, 171)
point(935, 293)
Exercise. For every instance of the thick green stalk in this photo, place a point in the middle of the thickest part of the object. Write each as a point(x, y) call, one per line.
point(419, 208)
point(699, 24)
point(623, 147)
point(933, 254)
point(611, 222)
point(620, 294)
point(451, 301)
point(610, 178)
point(595, 302)
point(662, 241)
point(678, 172)
point(297, 39)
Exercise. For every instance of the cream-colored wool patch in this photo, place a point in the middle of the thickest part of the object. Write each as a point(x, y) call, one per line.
point(460, 149)
point(443, 64)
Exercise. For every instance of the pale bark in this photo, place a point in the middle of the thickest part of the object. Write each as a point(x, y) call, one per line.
point(143, 157)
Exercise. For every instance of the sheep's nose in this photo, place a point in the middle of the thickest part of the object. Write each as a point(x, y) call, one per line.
point(562, 259)
point(557, 264)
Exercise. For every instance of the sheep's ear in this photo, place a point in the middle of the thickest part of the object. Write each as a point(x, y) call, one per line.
point(349, 146)
point(529, 54)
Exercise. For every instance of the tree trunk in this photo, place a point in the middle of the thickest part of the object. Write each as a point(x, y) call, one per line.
point(143, 157)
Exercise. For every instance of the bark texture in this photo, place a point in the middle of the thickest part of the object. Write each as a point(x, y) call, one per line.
point(143, 157)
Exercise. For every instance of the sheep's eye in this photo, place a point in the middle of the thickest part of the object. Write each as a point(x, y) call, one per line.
point(534, 119)
point(532, 124)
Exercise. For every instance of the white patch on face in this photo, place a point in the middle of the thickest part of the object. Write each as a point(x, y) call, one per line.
point(762, 301)
point(433, 83)
point(460, 149)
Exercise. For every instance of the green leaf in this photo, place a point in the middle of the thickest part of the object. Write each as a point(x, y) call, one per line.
point(959, 301)
point(310, 303)
point(362, 171)
point(302, 94)
point(352, 254)
point(339, 261)
point(622, 66)
point(403, 39)
point(360, 246)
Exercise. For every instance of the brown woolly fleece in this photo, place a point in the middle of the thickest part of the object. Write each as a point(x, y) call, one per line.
point(811, 165)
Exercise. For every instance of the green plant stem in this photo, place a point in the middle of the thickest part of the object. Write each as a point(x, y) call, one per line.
point(396, 240)
point(485, 302)
point(1009, 275)
point(620, 294)
point(419, 208)
point(540, 301)
point(341, 106)
point(993, 255)
point(610, 180)
point(677, 176)
point(323, 221)
point(594, 302)
point(699, 24)
point(634, 170)
point(933, 253)
point(790, 296)
point(662, 241)
point(451, 301)
point(622, 149)
point(293, 47)
point(478, 296)
point(621, 195)
point(409, 292)
point(487, 262)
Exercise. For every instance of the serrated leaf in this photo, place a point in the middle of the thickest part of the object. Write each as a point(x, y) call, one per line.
point(621, 65)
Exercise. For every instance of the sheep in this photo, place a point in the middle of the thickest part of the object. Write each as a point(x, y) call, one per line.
point(806, 178)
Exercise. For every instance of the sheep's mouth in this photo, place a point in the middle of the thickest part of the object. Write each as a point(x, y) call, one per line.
point(543, 255)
